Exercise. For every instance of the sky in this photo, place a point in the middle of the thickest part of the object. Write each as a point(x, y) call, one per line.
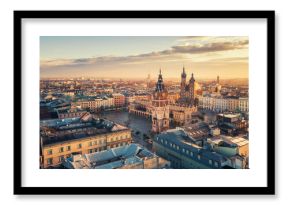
point(138, 56)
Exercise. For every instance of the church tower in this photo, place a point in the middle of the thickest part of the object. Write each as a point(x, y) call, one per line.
point(160, 107)
point(183, 84)
point(191, 88)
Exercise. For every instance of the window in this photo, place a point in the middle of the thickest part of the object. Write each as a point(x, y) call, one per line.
point(210, 162)
point(68, 148)
point(96, 149)
point(90, 151)
point(187, 152)
point(79, 146)
point(183, 150)
point(117, 138)
point(96, 142)
point(198, 156)
point(90, 144)
point(165, 141)
point(49, 152)
point(177, 147)
point(216, 164)
point(61, 149)
point(60, 158)
point(161, 140)
point(191, 154)
point(49, 161)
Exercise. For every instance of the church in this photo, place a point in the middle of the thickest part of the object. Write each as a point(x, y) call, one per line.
point(188, 90)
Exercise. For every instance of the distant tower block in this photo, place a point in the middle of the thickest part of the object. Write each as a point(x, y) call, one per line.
point(218, 87)
point(148, 81)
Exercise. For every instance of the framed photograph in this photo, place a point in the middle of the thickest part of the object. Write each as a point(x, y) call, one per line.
point(144, 102)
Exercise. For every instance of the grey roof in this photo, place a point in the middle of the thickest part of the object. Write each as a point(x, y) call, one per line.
point(111, 158)
point(179, 138)
point(57, 130)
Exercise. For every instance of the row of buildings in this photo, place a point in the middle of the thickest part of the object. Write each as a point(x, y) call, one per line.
point(92, 103)
point(221, 104)
point(63, 138)
point(77, 140)
point(180, 148)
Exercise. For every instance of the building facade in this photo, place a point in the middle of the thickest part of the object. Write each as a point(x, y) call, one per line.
point(119, 100)
point(221, 104)
point(62, 141)
point(95, 103)
point(62, 114)
point(244, 104)
point(172, 146)
point(182, 115)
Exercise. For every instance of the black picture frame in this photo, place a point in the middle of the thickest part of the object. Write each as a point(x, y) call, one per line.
point(268, 190)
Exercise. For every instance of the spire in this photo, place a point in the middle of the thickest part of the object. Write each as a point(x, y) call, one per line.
point(192, 78)
point(183, 75)
point(160, 75)
point(160, 84)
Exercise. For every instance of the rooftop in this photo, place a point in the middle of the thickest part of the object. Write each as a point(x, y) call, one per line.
point(56, 131)
point(180, 138)
point(228, 141)
point(229, 115)
point(110, 159)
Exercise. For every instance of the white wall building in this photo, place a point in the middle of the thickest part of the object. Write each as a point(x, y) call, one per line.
point(221, 104)
point(97, 103)
point(244, 104)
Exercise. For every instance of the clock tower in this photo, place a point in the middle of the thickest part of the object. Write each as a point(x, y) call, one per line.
point(160, 107)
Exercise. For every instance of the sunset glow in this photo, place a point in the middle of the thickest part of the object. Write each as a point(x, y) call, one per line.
point(138, 56)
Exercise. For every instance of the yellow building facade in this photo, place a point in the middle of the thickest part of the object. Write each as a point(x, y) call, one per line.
point(54, 154)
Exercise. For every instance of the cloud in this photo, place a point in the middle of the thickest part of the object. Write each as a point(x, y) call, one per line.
point(169, 54)
point(211, 47)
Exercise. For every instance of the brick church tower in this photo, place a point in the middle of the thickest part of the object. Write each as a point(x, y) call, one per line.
point(160, 107)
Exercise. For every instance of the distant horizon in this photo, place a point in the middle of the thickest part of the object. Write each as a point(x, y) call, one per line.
point(138, 56)
point(116, 78)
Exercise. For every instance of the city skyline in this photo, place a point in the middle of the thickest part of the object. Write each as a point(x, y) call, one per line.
point(121, 57)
